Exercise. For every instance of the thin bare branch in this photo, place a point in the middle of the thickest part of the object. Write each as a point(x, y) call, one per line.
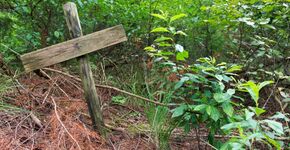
point(58, 118)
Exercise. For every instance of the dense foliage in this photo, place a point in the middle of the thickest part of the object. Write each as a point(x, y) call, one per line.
point(207, 60)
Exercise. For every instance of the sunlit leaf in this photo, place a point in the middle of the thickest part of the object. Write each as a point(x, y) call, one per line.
point(164, 44)
point(160, 29)
point(182, 55)
point(234, 68)
point(264, 21)
point(176, 17)
point(258, 111)
point(273, 142)
point(149, 48)
point(161, 39)
point(181, 33)
point(159, 16)
point(248, 21)
point(261, 85)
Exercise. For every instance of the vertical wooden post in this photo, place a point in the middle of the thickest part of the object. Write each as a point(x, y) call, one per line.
point(73, 23)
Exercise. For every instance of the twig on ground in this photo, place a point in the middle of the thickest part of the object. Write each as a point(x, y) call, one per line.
point(55, 83)
point(36, 120)
point(208, 144)
point(29, 93)
point(16, 129)
point(32, 135)
point(112, 144)
point(139, 141)
point(58, 118)
point(48, 92)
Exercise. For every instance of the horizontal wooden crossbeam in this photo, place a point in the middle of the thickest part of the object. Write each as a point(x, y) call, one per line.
point(73, 48)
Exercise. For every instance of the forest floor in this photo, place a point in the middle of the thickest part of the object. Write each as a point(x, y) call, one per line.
point(52, 114)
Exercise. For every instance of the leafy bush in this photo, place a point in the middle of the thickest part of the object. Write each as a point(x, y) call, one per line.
point(206, 92)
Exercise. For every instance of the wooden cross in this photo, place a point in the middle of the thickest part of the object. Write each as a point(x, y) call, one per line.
point(79, 47)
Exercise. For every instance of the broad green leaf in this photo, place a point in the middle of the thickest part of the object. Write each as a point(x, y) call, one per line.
point(176, 17)
point(221, 64)
point(231, 126)
point(181, 82)
point(164, 44)
point(276, 126)
point(279, 115)
point(248, 21)
point(194, 78)
point(228, 109)
point(159, 16)
point(248, 114)
point(182, 55)
point(149, 48)
point(160, 29)
point(213, 112)
point(255, 136)
point(269, 26)
point(164, 53)
point(258, 111)
point(179, 111)
point(200, 107)
point(231, 92)
point(56, 34)
point(253, 89)
point(208, 109)
point(273, 142)
point(221, 86)
point(234, 68)
point(222, 97)
point(250, 123)
point(226, 78)
point(264, 21)
point(204, 8)
point(181, 33)
point(219, 77)
point(261, 85)
point(161, 39)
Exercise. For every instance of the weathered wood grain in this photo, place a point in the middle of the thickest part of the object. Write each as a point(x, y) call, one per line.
point(73, 23)
point(73, 48)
